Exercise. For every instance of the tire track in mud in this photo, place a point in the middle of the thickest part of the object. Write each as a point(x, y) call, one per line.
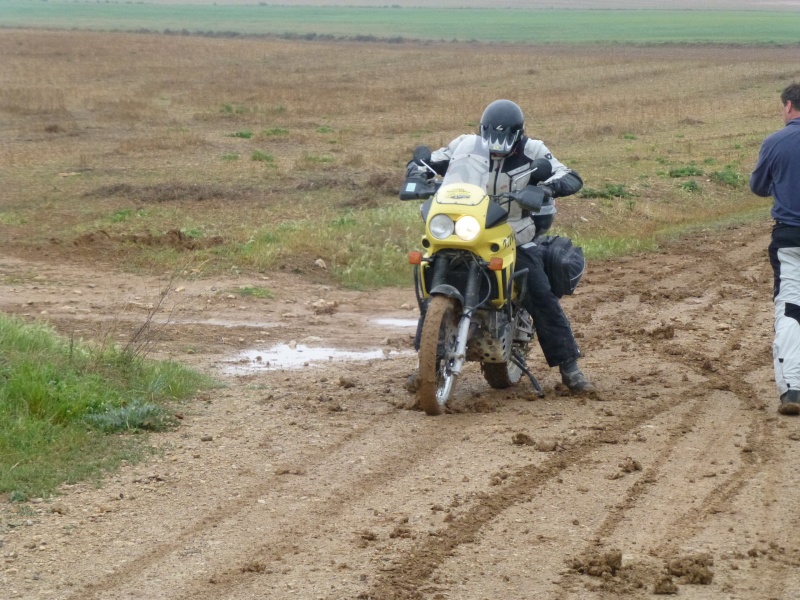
point(412, 570)
point(759, 450)
point(228, 577)
point(759, 447)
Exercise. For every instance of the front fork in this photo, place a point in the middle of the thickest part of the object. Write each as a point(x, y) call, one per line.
point(469, 302)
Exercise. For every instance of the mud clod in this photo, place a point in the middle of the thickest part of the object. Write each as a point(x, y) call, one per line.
point(692, 570)
point(522, 439)
point(599, 564)
point(665, 586)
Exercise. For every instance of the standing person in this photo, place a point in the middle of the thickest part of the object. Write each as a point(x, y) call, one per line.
point(512, 152)
point(777, 174)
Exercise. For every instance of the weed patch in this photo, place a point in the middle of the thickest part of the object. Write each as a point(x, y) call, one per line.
point(11, 219)
point(363, 249)
point(274, 132)
point(254, 292)
point(686, 171)
point(261, 156)
point(690, 186)
point(728, 176)
point(192, 232)
point(136, 416)
point(232, 109)
point(59, 397)
point(609, 190)
point(126, 214)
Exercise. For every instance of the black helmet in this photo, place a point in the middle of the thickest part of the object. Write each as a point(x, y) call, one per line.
point(502, 125)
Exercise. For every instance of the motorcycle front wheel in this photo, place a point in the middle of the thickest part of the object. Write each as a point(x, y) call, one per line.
point(437, 350)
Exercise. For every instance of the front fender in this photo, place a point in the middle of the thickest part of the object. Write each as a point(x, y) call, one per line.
point(448, 291)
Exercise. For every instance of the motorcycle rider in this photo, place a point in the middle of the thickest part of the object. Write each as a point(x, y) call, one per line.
point(512, 152)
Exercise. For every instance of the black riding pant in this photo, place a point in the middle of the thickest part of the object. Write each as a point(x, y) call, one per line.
point(552, 326)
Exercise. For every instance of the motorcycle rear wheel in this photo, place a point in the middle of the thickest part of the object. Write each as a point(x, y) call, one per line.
point(436, 352)
point(501, 375)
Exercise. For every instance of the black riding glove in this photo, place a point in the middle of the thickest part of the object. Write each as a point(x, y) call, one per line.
point(548, 190)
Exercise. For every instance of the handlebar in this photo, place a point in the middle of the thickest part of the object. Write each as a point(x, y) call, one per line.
point(531, 198)
point(417, 188)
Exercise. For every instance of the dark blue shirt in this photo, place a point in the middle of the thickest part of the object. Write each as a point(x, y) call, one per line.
point(777, 173)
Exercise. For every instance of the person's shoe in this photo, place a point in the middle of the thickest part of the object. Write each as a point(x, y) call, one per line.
point(574, 379)
point(790, 403)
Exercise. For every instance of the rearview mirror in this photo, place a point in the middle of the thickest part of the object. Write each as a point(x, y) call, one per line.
point(541, 170)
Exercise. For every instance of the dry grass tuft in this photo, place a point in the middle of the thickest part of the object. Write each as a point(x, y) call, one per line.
point(172, 192)
point(162, 142)
point(46, 100)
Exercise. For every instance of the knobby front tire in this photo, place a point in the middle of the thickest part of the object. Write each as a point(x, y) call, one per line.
point(436, 350)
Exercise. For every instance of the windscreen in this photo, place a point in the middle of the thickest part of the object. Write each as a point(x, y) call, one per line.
point(470, 163)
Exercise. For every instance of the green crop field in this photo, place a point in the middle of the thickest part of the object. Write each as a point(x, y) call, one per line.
point(483, 25)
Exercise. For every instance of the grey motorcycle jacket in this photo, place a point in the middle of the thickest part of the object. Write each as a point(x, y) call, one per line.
point(563, 182)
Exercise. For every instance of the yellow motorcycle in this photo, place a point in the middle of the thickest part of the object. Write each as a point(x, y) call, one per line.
point(469, 294)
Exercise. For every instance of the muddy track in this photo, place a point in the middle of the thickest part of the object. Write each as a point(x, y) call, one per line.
point(419, 564)
point(322, 482)
point(416, 566)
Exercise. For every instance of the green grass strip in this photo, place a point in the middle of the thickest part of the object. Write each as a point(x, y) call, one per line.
point(60, 400)
point(562, 26)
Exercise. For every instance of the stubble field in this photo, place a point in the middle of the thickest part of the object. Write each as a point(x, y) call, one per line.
point(133, 162)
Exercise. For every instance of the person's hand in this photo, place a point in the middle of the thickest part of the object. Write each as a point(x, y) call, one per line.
point(547, 190)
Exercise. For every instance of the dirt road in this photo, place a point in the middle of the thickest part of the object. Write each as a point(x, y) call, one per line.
point(320, 482)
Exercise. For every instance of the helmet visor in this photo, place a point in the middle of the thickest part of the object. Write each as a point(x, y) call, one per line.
point(501, 140)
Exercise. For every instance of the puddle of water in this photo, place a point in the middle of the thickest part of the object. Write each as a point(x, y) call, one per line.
point(284, 356)
point(396, 322)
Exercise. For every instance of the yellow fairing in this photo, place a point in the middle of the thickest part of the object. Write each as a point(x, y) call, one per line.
point(458, 200)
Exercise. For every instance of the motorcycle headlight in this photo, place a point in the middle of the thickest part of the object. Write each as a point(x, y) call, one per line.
point(468, 228)
point(441, 227)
